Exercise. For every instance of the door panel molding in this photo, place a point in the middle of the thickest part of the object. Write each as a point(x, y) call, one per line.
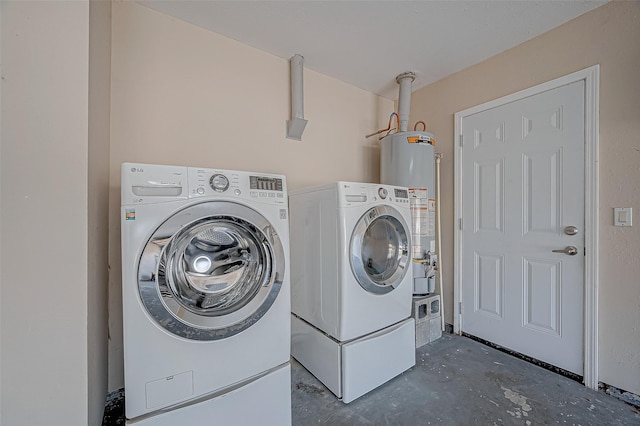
point(591, 77)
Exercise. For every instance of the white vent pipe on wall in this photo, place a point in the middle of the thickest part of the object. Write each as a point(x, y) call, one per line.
point(404, 99)
point(296, 125)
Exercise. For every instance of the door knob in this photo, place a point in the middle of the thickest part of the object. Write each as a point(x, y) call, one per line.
point(570, 250)
point(571, 230)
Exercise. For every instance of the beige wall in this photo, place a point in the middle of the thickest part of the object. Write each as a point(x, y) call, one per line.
point(1, 137)
point(609, 36)
point(46, 376)
point(182, 95)
point(98, 205)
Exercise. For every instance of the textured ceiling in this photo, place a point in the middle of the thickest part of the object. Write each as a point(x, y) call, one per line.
point(368, 43)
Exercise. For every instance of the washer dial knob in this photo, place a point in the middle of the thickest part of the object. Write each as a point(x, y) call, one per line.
point(219, 182)
point(382, 192)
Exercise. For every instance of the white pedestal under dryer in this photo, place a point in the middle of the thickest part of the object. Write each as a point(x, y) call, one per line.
point(206, 297)
point(352, 285)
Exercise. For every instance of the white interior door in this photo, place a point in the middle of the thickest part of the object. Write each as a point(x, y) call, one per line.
point(522, 191)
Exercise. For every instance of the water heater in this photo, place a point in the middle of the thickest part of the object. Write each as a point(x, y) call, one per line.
point(408, 159)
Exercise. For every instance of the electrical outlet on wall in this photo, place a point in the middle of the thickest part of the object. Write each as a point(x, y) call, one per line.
point(622, 216)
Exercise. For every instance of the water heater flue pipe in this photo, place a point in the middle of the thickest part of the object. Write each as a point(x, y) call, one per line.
point(296, 125)
point(404, 99)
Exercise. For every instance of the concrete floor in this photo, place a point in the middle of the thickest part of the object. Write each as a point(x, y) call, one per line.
point(458, 381)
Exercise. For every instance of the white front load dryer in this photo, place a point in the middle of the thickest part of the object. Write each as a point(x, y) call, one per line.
point(206, 298)
point(351, 284)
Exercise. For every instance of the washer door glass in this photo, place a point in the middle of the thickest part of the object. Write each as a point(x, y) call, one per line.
point(211, 271)
point(380, 250)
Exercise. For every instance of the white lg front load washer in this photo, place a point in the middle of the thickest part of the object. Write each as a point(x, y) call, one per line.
point(206, 298)
point(351, 284)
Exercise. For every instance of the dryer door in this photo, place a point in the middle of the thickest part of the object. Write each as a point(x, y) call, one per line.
point(211, 270)
point(380, 249)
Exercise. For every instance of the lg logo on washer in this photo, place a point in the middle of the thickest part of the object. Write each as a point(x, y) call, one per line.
point(137, 170)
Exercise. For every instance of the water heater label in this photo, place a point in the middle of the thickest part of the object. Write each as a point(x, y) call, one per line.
point(420, 138)
point(432, 217)
point(421, 218)
point(418, 192)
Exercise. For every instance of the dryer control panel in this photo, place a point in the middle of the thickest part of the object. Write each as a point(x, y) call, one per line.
point(352, 194)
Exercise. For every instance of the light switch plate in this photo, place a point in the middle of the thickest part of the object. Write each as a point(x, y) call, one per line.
point(622, 216)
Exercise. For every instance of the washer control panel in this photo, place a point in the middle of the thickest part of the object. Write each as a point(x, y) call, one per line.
point(152, 183)
point(266, 188)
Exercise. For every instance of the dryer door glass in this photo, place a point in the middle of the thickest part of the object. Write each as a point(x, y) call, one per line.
point(379, 250)
point(211, 271)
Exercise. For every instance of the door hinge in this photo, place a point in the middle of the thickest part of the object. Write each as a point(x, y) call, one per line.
point(461, 142)
point(460, 307)
point(460, 223)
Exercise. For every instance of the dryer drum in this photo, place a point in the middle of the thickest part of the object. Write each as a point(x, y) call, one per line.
point(381, 247)
point(214, 276)
point(379, 250)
